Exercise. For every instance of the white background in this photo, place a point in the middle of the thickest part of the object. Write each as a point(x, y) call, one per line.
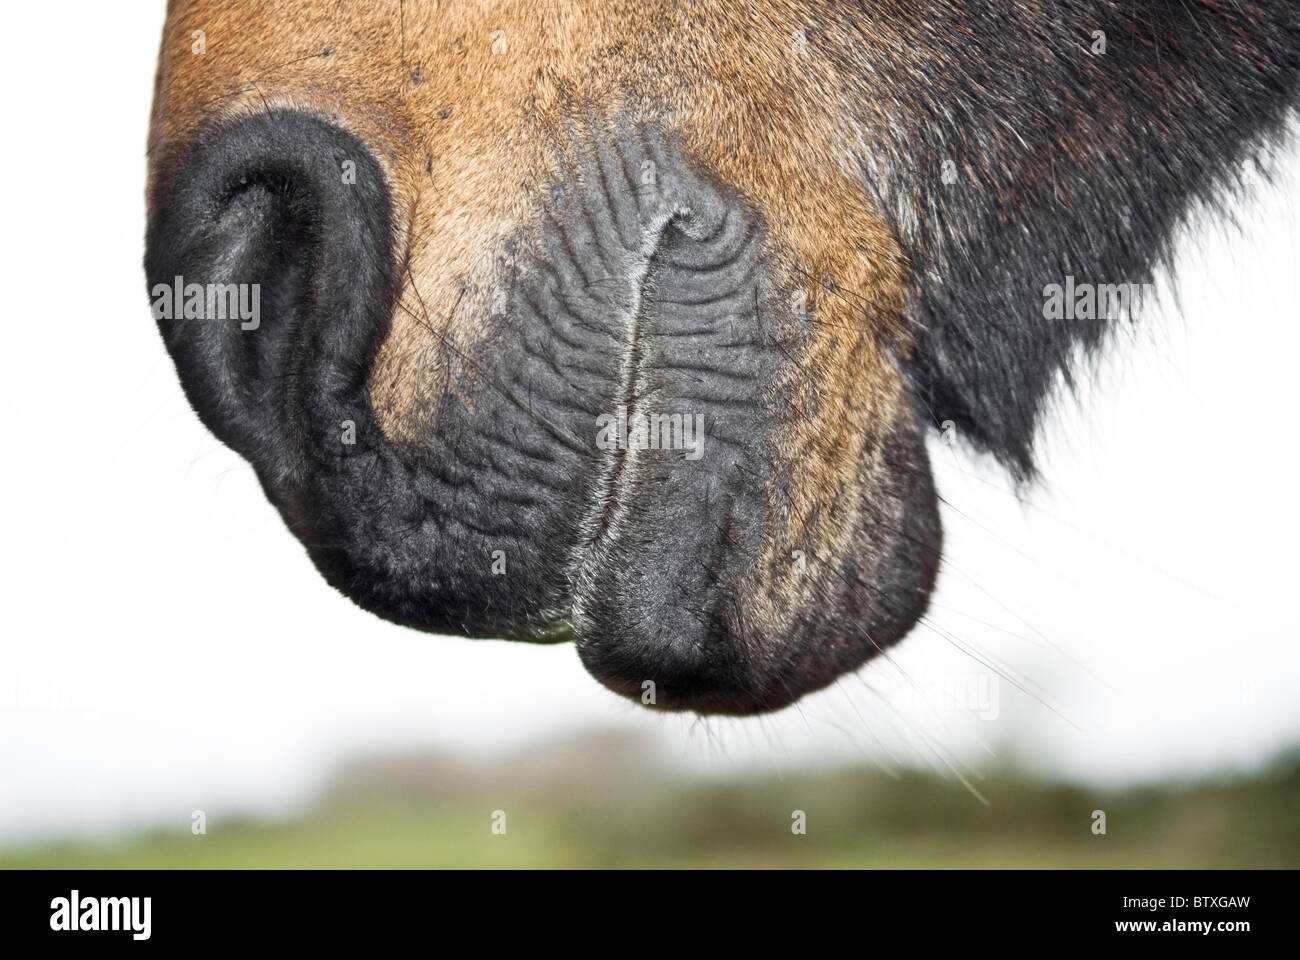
point(166, 645)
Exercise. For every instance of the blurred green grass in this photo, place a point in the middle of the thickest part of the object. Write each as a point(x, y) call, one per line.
point(416, 812)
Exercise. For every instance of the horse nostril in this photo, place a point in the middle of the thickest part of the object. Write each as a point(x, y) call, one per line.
point(265, 228)
point(269, 271)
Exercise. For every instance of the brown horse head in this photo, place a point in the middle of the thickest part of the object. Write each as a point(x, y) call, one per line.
point(625, 322)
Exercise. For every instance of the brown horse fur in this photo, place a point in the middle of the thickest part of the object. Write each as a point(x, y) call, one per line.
point(916, 173)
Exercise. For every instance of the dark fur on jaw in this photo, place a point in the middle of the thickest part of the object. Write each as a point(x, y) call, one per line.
point(1066, 162)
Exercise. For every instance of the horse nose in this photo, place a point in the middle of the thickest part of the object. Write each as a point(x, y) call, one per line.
point(268, 265)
